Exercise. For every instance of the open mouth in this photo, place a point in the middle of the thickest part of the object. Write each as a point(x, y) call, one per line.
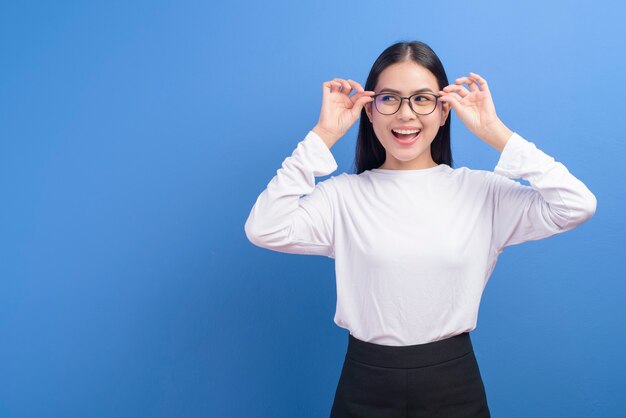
point(406, 137)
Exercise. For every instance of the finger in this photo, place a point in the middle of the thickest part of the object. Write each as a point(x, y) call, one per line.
point(346, 87)
point(356, 96)
point(358, 106)
point(472, 83)
point(451, 98)
point(355, 85)
point(461, 90)
point(330, 85)
point(480, 80)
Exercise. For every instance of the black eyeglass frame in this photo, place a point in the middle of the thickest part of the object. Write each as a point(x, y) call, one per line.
point(402, 99)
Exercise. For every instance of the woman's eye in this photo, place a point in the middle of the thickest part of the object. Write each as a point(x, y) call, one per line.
point(420, 99)
point(388, 98)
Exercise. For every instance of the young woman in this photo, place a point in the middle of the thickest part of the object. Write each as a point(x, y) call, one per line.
point(414, 240)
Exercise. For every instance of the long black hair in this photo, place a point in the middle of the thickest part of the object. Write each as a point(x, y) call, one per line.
point(369, 151)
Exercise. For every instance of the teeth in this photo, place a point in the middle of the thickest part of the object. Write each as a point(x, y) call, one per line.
point(404, 131)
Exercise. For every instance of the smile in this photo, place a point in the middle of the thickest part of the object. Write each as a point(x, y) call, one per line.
point(405, 139)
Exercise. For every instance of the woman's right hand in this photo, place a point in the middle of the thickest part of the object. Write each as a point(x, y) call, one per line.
point(339, 109)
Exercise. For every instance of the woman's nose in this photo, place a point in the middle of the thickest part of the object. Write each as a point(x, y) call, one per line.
point(405, 110)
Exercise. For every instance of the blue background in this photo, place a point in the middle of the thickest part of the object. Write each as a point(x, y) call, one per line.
point(136, 136)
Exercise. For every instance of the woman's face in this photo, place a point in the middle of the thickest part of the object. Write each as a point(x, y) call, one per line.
point(408, 152)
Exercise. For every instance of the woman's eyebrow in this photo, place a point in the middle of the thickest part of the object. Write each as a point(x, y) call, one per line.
point(422, 90)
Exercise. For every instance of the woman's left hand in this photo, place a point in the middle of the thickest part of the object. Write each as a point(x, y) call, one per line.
point(476, 110)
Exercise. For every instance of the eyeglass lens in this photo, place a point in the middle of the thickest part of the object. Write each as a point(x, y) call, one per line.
point(422, 104)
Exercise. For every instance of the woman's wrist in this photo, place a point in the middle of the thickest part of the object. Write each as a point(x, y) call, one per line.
point(497, 135)
point(328, 138)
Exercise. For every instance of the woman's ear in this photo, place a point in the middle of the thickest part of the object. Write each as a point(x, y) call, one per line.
point(368, 110)
point(445, 112)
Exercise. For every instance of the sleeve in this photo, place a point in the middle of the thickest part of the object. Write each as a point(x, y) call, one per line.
point(556, 202)
point(293, 214)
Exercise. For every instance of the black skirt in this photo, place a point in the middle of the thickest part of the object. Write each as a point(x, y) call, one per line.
point(436, 379)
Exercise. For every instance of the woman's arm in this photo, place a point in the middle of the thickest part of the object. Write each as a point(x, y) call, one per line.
point(556, 201)
point(293, 214)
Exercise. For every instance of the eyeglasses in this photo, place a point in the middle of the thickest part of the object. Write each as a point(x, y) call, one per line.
point(420, 103)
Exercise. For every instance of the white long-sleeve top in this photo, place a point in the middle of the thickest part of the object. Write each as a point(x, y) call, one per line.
point(414, 249)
